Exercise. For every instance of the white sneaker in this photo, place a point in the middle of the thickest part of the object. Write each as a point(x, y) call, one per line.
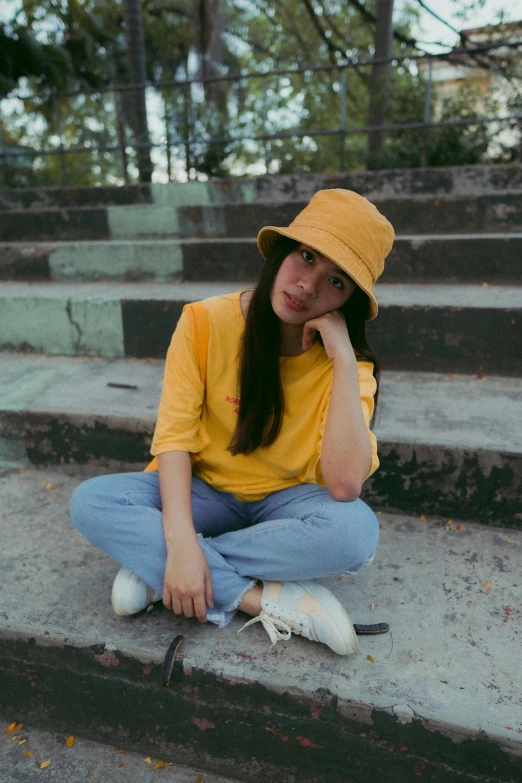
point(130, 594)
point(308, 609)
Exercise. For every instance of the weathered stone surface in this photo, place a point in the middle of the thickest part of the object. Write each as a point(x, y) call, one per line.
point(63, 224)
point(478, 214)
point(242, 708)
point(45, 198)
point(448, 444)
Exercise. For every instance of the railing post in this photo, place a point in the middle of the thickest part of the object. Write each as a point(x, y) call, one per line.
point(427, 115)
point(167, 139)
point(189, 120)
point(120, 127)
point(58, 123)
point(264, 110)
point(5, 164)
point(342, 126)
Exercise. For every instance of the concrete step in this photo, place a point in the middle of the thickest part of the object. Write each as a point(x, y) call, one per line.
point(74, 196)
point(470, 214)
point(436, 699)
point(84, 760)
point(448, 444)
point(460, 258)
point(439, 181)
point(440, 328)
point(449, 215)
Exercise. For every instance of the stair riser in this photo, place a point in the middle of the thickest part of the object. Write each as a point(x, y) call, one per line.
point(471, 260)
point(440, 181)
point(48, 198)
point(413, 479)
point(432, 339)
point(230, 727)
point(58, 225)
point(408, 216)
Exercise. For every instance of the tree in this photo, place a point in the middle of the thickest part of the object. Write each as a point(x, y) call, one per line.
point(380, 79)
point(137, 64)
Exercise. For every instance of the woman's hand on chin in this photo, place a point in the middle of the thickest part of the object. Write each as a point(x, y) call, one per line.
point(334, 333)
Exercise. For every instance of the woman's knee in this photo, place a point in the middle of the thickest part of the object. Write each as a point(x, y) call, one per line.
point(87, 500)
point(356, 535)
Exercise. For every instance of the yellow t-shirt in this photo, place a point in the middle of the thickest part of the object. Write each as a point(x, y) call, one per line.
point(202, 422)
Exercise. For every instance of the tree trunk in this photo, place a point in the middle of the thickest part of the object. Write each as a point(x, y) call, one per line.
point(138, 75)
point(380, 81)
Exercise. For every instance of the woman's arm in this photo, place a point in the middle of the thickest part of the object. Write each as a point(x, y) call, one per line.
point(188, 585)
point(346, 453)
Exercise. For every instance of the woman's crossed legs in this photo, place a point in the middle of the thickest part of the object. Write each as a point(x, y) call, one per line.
point(298, 533)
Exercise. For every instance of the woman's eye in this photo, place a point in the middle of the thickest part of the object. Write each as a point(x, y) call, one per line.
point(336, 282)
point(308, 257)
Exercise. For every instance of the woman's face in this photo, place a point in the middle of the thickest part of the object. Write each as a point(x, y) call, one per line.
point(309, 285)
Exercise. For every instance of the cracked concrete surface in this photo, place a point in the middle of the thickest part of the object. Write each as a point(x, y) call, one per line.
point(451, 593)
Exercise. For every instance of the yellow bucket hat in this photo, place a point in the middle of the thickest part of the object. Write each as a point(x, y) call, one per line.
point(346, 228)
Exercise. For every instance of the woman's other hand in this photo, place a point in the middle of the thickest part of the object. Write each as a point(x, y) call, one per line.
point(187, 588)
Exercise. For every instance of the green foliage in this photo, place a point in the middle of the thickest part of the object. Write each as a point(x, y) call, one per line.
point(80, 45)
point(456, 145)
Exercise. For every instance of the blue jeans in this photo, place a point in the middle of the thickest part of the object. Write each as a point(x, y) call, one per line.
point(296, 533)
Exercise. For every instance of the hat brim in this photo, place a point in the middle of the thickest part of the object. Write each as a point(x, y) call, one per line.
point(328, 246)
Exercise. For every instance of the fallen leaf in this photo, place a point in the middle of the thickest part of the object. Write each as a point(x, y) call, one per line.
point(485, 285)
point(18, 727)
point(459, 527)
point(370, 658)
point(148, 760)
point(414, 658)
point(29, 753)
point(169, 764)
point(422, 518)
point(70, 742)
point(341, 577)
point(449, 522)
point(487, 585)
point(372, 606)
point(158, 765)
point(22, 741)
point(123, 752)
point(508, 611)
point(45, 764)
point(120, 765)
point(199, 778)
point(54, 496)
point(508, 541)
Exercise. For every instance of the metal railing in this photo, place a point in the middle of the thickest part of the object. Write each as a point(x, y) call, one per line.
point(124, 146)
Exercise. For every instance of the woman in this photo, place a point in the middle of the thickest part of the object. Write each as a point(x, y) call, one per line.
point(261, 457)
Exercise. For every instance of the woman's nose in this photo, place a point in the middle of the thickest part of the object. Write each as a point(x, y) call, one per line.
point(308, 284)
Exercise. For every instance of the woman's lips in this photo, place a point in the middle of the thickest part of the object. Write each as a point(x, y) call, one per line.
point(293, 305)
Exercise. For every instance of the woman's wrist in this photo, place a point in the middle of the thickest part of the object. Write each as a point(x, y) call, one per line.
point(345, 359)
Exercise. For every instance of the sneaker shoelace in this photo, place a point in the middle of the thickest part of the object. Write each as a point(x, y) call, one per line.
point(274, 625)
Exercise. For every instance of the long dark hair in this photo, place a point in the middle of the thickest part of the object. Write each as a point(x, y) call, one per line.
point(261, 405)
